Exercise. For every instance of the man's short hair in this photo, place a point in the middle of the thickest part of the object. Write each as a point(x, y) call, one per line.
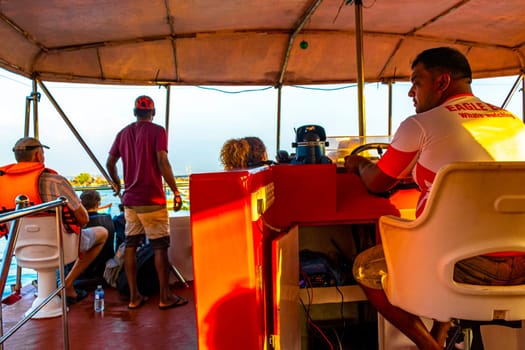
point(90, 199)
point(445, 59)
point(144, 113)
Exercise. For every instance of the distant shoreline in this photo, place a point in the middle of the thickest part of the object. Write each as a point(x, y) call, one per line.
point(182, 180)
point(108, 197)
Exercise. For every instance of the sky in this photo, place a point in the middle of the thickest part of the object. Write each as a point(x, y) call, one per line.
point(201, 118)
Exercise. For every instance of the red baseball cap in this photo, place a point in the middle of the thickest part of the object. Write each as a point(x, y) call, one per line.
point(144, 102)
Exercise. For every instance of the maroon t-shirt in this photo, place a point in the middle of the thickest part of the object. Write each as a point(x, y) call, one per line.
point(137, 144)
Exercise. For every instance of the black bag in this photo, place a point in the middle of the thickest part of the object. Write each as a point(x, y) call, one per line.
point(147, 280)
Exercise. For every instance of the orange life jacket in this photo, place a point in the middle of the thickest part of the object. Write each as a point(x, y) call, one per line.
point(23, 178)
point(20, 178)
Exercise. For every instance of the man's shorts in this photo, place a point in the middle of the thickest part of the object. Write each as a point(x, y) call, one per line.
point(491, 270)
point(370, 267)
point(151, 220)
point(88, 238)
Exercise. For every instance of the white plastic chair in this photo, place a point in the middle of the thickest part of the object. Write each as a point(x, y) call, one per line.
point(473, 208)
point(37, 248)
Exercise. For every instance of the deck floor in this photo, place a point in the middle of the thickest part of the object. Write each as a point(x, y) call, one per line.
point(117, 328)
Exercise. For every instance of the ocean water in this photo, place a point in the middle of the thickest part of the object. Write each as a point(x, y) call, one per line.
point(107, 197)
point(28, 275)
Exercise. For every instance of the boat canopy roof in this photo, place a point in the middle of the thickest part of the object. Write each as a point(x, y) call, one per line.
point(248, 42)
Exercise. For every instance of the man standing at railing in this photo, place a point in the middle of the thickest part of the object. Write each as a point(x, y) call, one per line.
point(143, 148)
point(30, 177)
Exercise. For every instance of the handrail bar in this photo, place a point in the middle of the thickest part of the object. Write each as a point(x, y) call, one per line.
point(12, 215)
point(20, 211)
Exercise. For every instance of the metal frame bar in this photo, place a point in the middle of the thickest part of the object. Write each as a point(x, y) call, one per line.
point(278, 126)
point(77, 135)
point(360, 67)
point(513, 90)
point(21, 210)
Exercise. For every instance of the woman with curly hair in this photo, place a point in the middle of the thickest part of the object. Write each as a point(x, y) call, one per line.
point(246, 152)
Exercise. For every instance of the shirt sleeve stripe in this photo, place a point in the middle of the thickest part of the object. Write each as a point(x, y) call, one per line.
point(396, 163)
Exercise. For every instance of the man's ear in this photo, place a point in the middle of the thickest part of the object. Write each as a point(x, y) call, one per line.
point(38, 157)
point(153, 113)
point(443, 81)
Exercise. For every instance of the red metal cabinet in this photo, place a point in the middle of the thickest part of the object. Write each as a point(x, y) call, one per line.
point(238, 222)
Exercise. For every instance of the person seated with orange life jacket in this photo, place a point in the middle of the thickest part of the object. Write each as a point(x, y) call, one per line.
point(30, 177)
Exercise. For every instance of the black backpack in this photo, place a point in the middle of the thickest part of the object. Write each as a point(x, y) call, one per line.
point(147, 280)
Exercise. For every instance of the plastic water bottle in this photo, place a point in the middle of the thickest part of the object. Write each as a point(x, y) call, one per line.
point(99, 299)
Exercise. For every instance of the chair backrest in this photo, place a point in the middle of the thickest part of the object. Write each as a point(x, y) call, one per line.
point(473, 208)
point(36, 246)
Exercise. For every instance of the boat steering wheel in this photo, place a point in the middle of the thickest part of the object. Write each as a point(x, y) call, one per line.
point(380, 147)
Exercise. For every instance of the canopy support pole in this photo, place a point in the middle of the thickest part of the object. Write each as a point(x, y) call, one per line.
point(27, 120)
point(390, 112)
point(278, 138)
point(35, 98)
point(77, 135)
point(360, 65)
point(167, 116)
point(309, 12)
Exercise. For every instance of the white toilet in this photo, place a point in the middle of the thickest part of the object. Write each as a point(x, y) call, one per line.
point(37, 249)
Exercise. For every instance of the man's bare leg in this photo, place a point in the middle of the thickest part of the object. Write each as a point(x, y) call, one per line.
point(130, 265)
point(162, 266)
point(101, 235)
point(408, 324)
point(439, 331)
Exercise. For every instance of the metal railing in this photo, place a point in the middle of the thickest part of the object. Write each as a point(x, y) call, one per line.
point(21, 210)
